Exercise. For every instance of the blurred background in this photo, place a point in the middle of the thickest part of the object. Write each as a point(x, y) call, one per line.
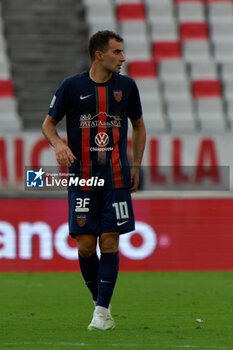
point(180, 53)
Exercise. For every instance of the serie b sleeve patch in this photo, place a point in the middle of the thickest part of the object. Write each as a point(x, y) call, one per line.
point(52, 102)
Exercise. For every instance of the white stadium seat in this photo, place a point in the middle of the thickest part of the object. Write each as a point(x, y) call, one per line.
point(148, 87)
point(177, 90)
point(96, 13)
point(181, 115)
point(222, 32)
point(164, 31)
point(210, 114)
point(203, 70)
point(153, 114)
point(4, 70)
point(8, 115)
point(227, 71)
point(128, 29)
point(190, 11)
point(137, 50)
point(159, 12)
point(126, 1)
point(220, 11)
point(105, 24)
point(223, 51)
point(228, 90)
point(172, 70)
point(196, 50)
point(230, 111)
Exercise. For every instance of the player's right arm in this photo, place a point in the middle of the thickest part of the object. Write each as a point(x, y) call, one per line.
point(63, 153)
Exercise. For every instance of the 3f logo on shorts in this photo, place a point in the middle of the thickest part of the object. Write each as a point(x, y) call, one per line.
point(82, 205)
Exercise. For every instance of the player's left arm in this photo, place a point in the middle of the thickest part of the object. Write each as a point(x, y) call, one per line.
point(138, 145)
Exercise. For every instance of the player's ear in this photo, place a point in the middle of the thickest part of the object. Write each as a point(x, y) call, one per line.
point(99, 55)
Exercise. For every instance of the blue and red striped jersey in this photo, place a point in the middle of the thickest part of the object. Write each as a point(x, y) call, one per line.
point(97, 124)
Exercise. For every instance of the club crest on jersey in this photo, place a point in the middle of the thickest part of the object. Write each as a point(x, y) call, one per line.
point(81, 219)
point(117, 95)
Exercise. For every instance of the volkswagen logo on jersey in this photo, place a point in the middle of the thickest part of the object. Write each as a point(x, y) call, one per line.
point(101, 139)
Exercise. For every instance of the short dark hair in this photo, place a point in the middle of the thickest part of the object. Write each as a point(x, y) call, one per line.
point(100, 40)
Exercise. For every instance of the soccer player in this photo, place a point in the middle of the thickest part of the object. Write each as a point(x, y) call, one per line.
point(97, 104)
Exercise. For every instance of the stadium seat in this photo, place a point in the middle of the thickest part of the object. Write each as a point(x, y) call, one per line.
point(160, 11)
point(180, 114)
point(153, 114)
point(127, 1)
point(4, 70)
point(6, 88)
point(137, 50)
point(203, 70)
point(206, 88)
point(228, 90)
point(93, 2)
point(8, 114)
point(177, 90)
point(162, 2)
point(196, 51)
point(99, 12)
point(100, 16)
point(226, 69)
point(105, 24)
point(222, 32)
point(128, 29)
point(193, 31)
point(166, 50)
point(229, 107)
point(220, 11)
point(185, 1)
point(128, 11)
point(210, 113)
point(151, 103)
point(191, 11)
point(149, 87)
point(140, 69)
point(164, 31)
point(223, 52)
point(174, 69)
point(219, 1)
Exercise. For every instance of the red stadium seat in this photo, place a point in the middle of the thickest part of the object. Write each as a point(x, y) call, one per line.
point(193, 31)
point(6, 88)
point(141, 69)
point(206, 88)
point(166, 50)
point(131, 12)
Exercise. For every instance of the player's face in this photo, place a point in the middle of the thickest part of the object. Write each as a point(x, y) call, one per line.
point(113, 58)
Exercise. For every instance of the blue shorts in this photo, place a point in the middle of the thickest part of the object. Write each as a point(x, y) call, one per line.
point(97, 212)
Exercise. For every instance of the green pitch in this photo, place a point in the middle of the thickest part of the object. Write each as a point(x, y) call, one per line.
point(151, 310)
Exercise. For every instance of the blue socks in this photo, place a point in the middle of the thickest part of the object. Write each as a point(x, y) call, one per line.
point(89, 268)
point(107, 276)
point(100, 276)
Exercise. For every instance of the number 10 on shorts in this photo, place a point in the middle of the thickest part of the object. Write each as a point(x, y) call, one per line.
point(121, 209)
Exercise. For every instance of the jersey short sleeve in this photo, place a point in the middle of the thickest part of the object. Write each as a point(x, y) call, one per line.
point(60, 102)
point(134, 110)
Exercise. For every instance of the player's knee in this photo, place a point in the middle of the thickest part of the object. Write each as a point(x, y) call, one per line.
point(86, 250)
point(109, 243)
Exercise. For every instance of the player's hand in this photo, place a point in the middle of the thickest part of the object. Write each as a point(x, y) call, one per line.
point(135, 178)
point(64, 155)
